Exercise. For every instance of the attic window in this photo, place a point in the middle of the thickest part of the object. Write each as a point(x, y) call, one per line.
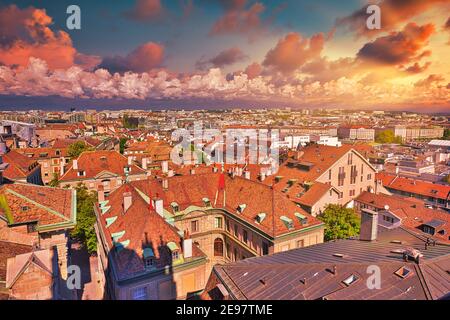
point(241, 208)
point(103, 158)
point(260, 217)
point(81, 173)
point(175, 207)
point(288, 222)
point(25, 208)
point(301, 218)
point(350, 280)
point(403, 272)
point(207, 202)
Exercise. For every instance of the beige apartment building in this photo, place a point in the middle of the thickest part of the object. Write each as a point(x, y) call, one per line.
point(356, 133)
point(415, 133)
point(206, 219)
point(319, 175)
point(108, 169)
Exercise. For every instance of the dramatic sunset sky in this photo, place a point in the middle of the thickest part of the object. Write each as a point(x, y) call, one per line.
point(223, 53)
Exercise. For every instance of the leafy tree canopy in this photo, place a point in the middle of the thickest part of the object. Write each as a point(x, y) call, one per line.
point(77, 148)
point(340, 222)
point(387, 136)
point(84, 230)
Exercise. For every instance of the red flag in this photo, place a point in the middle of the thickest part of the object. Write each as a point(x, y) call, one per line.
point(222, 181)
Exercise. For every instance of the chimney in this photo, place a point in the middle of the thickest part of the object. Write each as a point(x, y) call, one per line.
point(130, 161)
point(144, 164)
point(170, 173)
point(61, 168)
point(262, 176)
point(247, 174)
point(127, 201)
point(187, 245)
point(165, 166)
point(159, 208)
point(75, 164)
point(192, 172)
point(369, 225)
point(101, 193)
point(165, 184)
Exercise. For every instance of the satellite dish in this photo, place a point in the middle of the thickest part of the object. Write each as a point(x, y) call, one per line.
point(386, 207)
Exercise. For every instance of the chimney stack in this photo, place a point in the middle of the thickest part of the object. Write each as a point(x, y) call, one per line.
point(262, 176)
point(159, 208)
point(165, 184)
point(247, 174)
point(187, 245)
point(369, 225)
point(75, 164)
point(144, 164)
point(127, 201)
point(165, 166)
point(101, 193)
point(130, 160)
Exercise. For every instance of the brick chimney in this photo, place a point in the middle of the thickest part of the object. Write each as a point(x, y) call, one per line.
point(159, 207)
point(127, 201)
point(187, 245)
point(165, 166)
point(75, 164)
point(130, 161)
point(369, 225)
point(144, 164)
point(101, 193)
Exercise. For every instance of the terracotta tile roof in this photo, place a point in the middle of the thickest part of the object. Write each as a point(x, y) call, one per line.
point(143, 228)
point(314, 194)
point(45, 205)
point(411, 211)
point(258, 198)
point(65, 143)
point(20, 166)
point(9, 250)
point(414, 186)
point(43, 153)
point(95, 162)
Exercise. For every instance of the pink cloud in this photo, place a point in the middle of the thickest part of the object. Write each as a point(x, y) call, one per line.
point(26, 33)
point(239, 19)
point(145, 10)
point(142, 59)
point(253, 71)
point(293, 51)
point(225, 58)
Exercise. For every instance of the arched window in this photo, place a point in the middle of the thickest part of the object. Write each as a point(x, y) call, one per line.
point(218, 247)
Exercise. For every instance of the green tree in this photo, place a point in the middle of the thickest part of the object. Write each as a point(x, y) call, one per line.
point(122, 143)
point(446, 134)
point(387, 136)
point(54, 182)
point(340, 222)
point(447, 179)
point(84, 230)
point(77, 148)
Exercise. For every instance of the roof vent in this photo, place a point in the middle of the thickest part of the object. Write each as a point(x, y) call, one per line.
point(403, 272)
point(350, 280)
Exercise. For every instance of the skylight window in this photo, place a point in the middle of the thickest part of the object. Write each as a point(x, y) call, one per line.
point(351, 280)
point(301, 218)
point(260, 217)
point(207, 202)
point(403, 272)
point(241, 208)
point(175, 206)
point(288, 222)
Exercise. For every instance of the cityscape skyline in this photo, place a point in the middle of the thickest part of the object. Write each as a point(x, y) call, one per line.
point(223, 54)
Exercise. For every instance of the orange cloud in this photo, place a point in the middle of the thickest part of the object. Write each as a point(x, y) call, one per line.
point(431, 79)
point(238, 19)
point(253, 71)
point(142, 59)
point(393, 12)
point(145, 10)
point(398, 47)
point(293, 51)
point(26, 33)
